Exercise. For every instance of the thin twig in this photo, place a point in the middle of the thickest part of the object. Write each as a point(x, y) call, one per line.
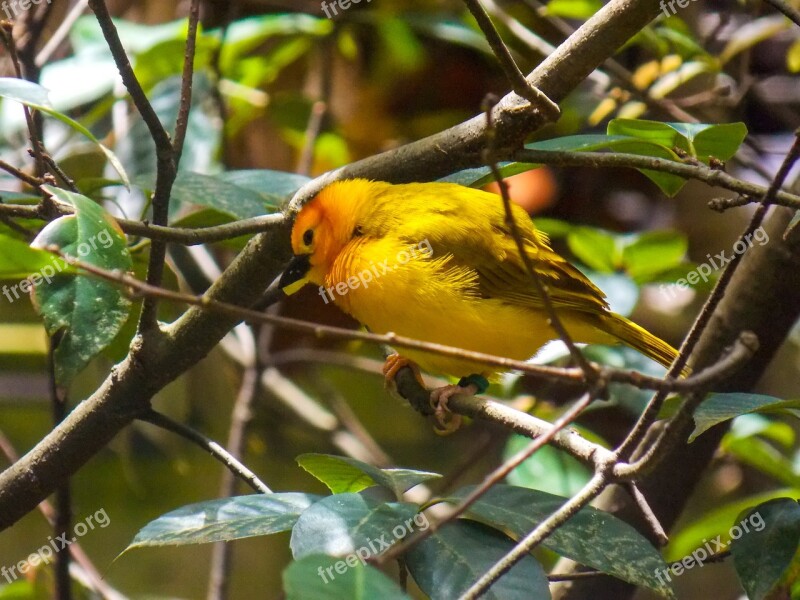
point(216, 450)
point(599, 160)
point(541, 288)
point(137, 288)
point(21, 175)
point(568, 510)
point(743, 350)
point(62, 517)
point(492, 479)
point(6, 32)
point(650, 413)
point(185, 104)
point(187, 236)
point(784, 7)
point(649, 516)
point(93, 576)
point(240, 418)
point(61, 33)
point(519, 84)
point(166, 168)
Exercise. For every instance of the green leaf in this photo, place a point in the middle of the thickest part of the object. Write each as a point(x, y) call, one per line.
point(573, 9)
point(717, 408)
point(18, 260)
point(343, 474)
point(595, 248)
point(549, 469)
point(720, 141)
point(315, 576)
point(655, 132)
point(717, 522)
point(225, 519)
point(35, 96)
point(344, 524)
point(446, 564)
point(762, 557)
point(275, 186)
point(192, 189)
point(592, 537)
point(651, 253)
point(87, 311)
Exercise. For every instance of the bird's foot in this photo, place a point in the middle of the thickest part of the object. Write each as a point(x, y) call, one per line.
point(395, 362)
point(447, 422)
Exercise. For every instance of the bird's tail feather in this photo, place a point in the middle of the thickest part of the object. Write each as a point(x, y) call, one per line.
point(642, 340)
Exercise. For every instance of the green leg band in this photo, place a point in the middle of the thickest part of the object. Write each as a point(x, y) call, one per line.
point(479, 381)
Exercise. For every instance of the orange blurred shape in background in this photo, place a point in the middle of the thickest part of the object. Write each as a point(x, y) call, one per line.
point(533, 190)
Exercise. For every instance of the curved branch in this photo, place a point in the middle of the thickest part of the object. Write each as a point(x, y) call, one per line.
point(127, 391)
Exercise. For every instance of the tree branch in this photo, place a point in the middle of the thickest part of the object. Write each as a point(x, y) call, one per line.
point(127, 391)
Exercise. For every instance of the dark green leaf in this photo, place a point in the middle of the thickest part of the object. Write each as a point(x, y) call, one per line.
point(344, 524)
point(344, 474)
point(88, 312)
point(316, 577)
point(764, 552)
point(191, 189)
point(721, 407)
point(225, 519)
point(717, 521)
point(446, 564)
point(592, 537)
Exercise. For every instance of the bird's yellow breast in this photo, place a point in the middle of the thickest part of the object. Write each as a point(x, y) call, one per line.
point(389, 284)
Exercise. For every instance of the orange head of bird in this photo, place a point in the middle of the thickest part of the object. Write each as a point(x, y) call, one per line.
point(321, 230)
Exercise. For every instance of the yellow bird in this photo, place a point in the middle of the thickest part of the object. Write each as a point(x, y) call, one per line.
point(437, 262)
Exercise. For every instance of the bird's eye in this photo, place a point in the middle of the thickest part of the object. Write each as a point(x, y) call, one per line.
point(308, 237)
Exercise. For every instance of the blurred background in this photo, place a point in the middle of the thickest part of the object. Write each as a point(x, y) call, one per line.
point(280, 86)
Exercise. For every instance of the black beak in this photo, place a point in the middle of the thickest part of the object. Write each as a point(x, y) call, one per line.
point(294, 277)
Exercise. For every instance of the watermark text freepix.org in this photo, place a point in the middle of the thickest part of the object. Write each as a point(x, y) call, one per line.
point(373, 547)
point(755, 522)
point(13, 7)
point(55, 545)
point(342, 4)
point(671, 5)
point(46, 273)
point(367, 276)
point(704, 270)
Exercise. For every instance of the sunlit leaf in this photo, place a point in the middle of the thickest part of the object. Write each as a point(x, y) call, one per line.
point(344, 524)
point(225, 519)
point(345, 474)
point(35, 96)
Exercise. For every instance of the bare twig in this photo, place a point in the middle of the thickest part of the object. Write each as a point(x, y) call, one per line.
point(553, 319)
point(713, 177)
point(787, 9)
point(568, 510)
point(491, 479)
point(519, 84)
point(185, 104)
point(216, 450)
point(166, 167)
